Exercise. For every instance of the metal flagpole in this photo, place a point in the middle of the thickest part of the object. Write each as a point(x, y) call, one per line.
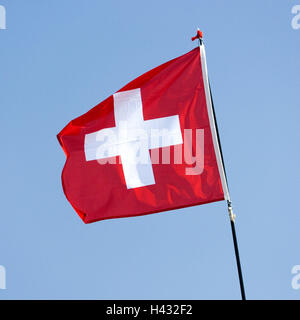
point(232, 216)
point(217, 143)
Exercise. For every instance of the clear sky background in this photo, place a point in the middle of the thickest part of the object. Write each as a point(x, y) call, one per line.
point(58, 59)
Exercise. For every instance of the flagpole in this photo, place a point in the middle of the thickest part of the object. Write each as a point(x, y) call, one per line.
point(232, 216)
point(220, 160)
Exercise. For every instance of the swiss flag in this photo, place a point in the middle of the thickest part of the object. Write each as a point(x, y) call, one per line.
point(150, 147)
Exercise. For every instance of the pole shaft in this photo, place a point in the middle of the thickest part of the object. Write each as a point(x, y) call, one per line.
point(231, 215)
point(237, 255)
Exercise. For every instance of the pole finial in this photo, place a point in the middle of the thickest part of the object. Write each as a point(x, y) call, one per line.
point(199, 35)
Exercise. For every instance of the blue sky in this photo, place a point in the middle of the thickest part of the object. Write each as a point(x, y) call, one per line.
point(60, 58)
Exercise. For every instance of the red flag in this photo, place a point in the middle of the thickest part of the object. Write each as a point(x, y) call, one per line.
point(150, 147)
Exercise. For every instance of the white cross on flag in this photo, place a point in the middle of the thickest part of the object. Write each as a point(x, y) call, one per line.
point(129, 119)
point(150, 147)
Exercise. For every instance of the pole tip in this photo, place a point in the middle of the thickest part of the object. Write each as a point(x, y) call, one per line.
point(199, 35)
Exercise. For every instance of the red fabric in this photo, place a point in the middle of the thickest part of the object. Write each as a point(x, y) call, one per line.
point(99, 192)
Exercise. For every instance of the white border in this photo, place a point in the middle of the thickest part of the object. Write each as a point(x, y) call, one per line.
point(212, 122)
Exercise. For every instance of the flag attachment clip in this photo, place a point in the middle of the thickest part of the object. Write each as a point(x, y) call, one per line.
point(230, 211)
